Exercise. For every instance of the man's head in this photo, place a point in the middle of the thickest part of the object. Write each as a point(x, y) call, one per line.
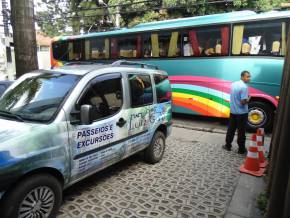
point(246, 76)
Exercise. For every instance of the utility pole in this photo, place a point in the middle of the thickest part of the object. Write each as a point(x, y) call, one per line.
point(279, 179)
point(118, 17)
point(24, 38)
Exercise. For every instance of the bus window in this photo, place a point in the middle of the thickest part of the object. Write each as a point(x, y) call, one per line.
point(126, 47)
point(60, 51)
point(162, 45)
point(259, 38)
point(210, 41)
point(97, 48)
point(75, 50)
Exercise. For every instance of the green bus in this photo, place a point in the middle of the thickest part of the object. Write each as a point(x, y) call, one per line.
point(202, 55)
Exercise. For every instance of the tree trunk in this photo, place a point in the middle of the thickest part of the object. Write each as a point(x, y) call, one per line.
point(277, 206)
point(22, 15)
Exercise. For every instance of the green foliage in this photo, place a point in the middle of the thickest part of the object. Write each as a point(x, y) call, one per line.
point(262, 202)
point(82, 15)
point(51, 21)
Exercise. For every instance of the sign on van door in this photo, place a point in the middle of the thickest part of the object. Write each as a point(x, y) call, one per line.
point(100, 143)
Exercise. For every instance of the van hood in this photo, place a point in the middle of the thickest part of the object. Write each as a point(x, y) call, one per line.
point(19, 140)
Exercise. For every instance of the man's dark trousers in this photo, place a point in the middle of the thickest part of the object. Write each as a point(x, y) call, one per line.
point(237, 121)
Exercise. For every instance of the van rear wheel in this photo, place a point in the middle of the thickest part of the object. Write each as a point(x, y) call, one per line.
point(154, 152)
point(35, 196)
point(261, 115)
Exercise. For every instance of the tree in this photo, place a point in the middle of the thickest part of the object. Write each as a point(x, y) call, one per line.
point(52, 20)
point(22, 15)
point(85, 15)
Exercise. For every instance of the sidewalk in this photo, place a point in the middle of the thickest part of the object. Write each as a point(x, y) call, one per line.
point(243, 203)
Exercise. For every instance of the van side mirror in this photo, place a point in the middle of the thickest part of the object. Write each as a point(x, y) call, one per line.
point(86, 114)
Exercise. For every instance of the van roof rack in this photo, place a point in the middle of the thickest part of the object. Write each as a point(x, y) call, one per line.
point(132, 63)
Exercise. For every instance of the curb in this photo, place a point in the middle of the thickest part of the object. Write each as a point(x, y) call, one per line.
point(211, 130)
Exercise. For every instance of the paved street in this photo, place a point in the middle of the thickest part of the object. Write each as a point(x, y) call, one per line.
point(196, 178)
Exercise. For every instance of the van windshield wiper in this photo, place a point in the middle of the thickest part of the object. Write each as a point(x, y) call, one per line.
point(11, 115)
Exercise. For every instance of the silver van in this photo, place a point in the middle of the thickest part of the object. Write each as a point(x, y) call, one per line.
point(59, 126)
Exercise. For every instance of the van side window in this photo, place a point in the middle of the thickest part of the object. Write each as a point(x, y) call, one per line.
point(141, 90)
point(106, 97)
point(163, 88)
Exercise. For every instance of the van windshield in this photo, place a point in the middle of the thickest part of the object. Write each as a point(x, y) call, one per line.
point(38, 97)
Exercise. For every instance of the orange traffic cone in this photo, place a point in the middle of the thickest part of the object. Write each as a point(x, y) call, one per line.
point(261, 148)
point(252, 162)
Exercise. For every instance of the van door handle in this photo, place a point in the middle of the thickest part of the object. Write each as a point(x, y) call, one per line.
point(121, 122)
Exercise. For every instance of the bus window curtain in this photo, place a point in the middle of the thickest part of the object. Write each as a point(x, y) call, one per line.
point(138, 47)
point(283, 48)
point(173, 45)
point(155, 45)
point(237, 39)
point(107, 48)
point(194, 43)
point(114, 48)
point(87, 50)
point(225, 33)
point(71, 51)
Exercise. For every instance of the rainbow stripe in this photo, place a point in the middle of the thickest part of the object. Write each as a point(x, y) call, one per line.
point(205, 95)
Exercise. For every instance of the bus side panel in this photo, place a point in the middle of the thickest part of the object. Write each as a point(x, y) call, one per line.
point(212, 77)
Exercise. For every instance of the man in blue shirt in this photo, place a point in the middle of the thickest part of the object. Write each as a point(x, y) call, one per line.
point(239, 112)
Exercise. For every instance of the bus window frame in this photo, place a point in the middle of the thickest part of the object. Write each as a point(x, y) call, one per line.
point(103, 38)
point(124, 36)
point(82, 42)
point(148, 34)
point(247, 22)
point(196, 28)
point(181, 31)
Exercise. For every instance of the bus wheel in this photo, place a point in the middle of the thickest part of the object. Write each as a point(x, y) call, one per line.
point(261, 115)
point(35, 196)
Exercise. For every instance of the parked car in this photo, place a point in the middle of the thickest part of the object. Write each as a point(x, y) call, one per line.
point(59, 126)
point(4, 85)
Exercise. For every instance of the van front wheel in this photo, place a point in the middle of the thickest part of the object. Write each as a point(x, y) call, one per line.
point(35, 196)
point(154, 152)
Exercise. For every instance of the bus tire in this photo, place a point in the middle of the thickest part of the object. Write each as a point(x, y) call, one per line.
point(24, 199)
point(154, 152)
point(261, 115)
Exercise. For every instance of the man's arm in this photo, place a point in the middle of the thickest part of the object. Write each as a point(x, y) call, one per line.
point(245, 96)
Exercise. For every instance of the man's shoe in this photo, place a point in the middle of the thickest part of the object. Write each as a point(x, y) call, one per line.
point(242, 151)
point(227, 148)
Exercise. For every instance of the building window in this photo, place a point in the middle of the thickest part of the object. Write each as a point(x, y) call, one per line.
point(207, 41)
point(126, 47)
point(162, 45)
point(141, 90)
point(259, 38)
